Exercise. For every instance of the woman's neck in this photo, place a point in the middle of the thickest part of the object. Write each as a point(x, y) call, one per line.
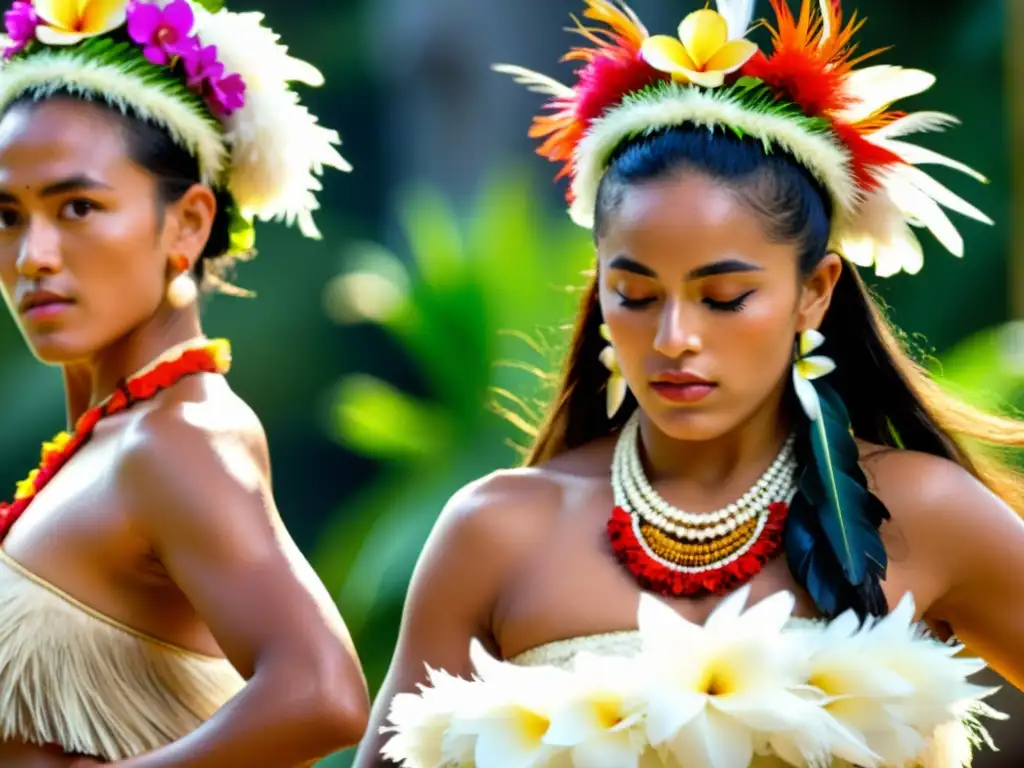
point(90, 381)
point(740, 455)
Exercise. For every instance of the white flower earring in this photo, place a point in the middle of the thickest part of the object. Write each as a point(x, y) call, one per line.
point(616, 388)
point(182, 290)
point(806, 368)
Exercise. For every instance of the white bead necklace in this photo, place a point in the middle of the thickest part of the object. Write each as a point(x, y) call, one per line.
point(633, 493)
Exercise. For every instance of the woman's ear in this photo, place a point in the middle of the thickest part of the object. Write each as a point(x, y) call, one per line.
point(816, 291)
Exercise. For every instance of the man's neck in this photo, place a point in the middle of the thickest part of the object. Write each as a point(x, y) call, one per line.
point(90, 381)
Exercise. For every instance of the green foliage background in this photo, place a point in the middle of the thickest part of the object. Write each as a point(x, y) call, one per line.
point(377, 369)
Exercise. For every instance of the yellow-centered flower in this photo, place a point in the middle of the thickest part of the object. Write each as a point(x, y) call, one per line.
point(67, 22)
point(706, 51)
point(806, 368)
point(616, 390)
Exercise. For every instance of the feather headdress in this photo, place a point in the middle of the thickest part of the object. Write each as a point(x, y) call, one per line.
point(219, 82)
point(807, 96)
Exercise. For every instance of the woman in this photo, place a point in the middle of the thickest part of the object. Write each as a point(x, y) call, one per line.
point(153, 610)
point(724, 187)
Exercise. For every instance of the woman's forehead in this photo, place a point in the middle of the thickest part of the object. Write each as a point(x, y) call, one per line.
point(686, 220)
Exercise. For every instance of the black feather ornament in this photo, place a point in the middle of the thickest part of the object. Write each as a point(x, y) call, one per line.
point(832, 538)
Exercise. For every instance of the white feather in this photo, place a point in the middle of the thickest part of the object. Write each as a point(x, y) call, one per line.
point(939, 193)
point(915, 155)
point(875, 88)
point(738, 15)
point(633, 18)
point(826, 22)
point(919, 205)
point(879, 236)
point(916, 122)
point(535, 81)
point(278, 148)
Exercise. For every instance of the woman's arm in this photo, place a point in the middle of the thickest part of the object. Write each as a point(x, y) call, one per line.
point(201, 496)
point(478, 539)
point(972, 549)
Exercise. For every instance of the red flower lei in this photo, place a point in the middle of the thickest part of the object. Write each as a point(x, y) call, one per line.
point(208, 356)
point(653, 574)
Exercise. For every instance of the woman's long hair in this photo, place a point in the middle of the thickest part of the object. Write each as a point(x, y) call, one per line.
point(891, 399)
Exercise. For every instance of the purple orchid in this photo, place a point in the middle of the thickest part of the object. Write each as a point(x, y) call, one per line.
point(163, 33)
point(227, 94)
point(205, 75)
point(201, 65)
point(20, 23)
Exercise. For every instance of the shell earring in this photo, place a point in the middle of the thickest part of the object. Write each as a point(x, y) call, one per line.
point(182, 290)
point(616, 388)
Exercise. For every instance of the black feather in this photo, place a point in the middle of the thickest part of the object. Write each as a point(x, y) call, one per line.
point(832, 535)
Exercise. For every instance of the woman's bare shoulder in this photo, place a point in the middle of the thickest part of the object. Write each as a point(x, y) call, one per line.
point(510, 510)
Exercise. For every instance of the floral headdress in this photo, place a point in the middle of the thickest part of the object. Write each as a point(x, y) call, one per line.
point(217, 81)
point(807, 96)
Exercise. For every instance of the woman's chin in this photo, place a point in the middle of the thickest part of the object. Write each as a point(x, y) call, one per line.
point(691, 424)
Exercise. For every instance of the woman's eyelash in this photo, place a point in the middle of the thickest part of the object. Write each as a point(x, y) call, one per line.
point(733, 305)
point(629, 303)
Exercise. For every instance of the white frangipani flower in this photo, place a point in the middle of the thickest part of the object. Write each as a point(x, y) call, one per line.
point(716, 687)
point(513, 715)
point(600, 719)
point(420, 722)
point(806, 368)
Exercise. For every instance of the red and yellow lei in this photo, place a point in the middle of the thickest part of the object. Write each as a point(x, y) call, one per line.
point(206, 356)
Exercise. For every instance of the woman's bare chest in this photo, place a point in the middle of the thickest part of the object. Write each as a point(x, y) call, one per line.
point(572, 586)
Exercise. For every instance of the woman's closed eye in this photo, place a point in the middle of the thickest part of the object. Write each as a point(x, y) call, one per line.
point(633, 302)
point(728, 305)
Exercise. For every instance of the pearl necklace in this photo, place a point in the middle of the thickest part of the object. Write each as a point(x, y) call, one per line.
point(693, 543)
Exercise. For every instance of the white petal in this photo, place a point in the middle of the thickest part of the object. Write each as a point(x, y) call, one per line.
point(728, 610)
point(502, 744)
point(816, 366)
point(50, 36)
point(915, 155)
point(764, 710)
point(669, 709)
point(875, 88)
point(615, 395)
point(484, 664)
point(810, 340)
point(608, 359)
point(768, 616)
point(660, 625)
point(738, 15)
point(617, 750)
point(807, 395)
point(714, 741)
point(574, 724)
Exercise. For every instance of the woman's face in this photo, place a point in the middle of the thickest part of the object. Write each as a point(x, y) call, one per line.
point(702, 307)
point(82, 254)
